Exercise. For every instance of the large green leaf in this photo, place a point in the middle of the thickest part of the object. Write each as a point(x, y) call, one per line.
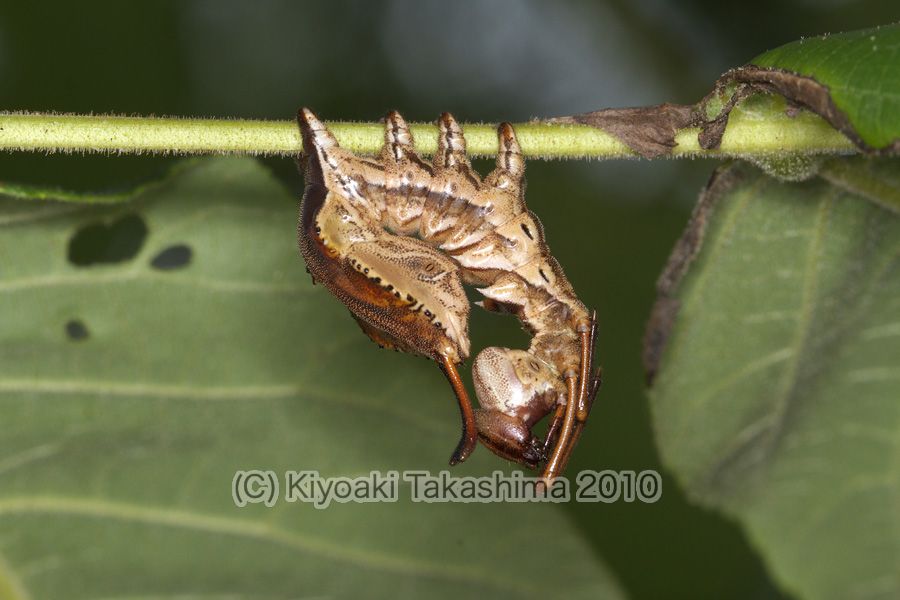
point(861, 70)
point(778, 396)
point(130, 393)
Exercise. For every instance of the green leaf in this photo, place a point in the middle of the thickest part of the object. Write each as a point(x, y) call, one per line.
point(777, 397)
point(869, 179)
point(861, 70)
point(130, 394)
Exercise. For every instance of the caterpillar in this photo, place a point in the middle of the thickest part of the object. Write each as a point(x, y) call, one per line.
point(395, 239)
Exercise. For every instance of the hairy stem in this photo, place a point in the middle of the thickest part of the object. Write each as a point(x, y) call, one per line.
point(748, 135)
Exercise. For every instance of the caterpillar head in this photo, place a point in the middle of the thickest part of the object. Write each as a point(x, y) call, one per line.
point(515, 390)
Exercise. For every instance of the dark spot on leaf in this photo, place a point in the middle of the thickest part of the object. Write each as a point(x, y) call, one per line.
point(99, 243)
point(76, 330)
point(173, 257)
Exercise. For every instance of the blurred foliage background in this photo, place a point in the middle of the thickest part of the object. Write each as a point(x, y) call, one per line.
point(610, 224)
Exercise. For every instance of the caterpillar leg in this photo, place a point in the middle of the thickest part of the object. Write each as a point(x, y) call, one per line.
point(582, 388)
point(553, 430)
point(469, 438)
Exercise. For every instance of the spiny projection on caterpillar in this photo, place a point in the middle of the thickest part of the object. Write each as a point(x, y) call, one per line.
point(395, 239)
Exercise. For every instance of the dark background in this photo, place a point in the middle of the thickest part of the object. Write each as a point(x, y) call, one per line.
point(610, 224)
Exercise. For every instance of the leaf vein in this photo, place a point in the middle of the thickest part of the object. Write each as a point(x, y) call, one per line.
point(246, 528)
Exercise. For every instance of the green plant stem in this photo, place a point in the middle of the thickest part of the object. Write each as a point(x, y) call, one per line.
point(748, 134)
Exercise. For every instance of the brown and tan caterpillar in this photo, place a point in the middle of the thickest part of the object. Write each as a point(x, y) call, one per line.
point(395, 238)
